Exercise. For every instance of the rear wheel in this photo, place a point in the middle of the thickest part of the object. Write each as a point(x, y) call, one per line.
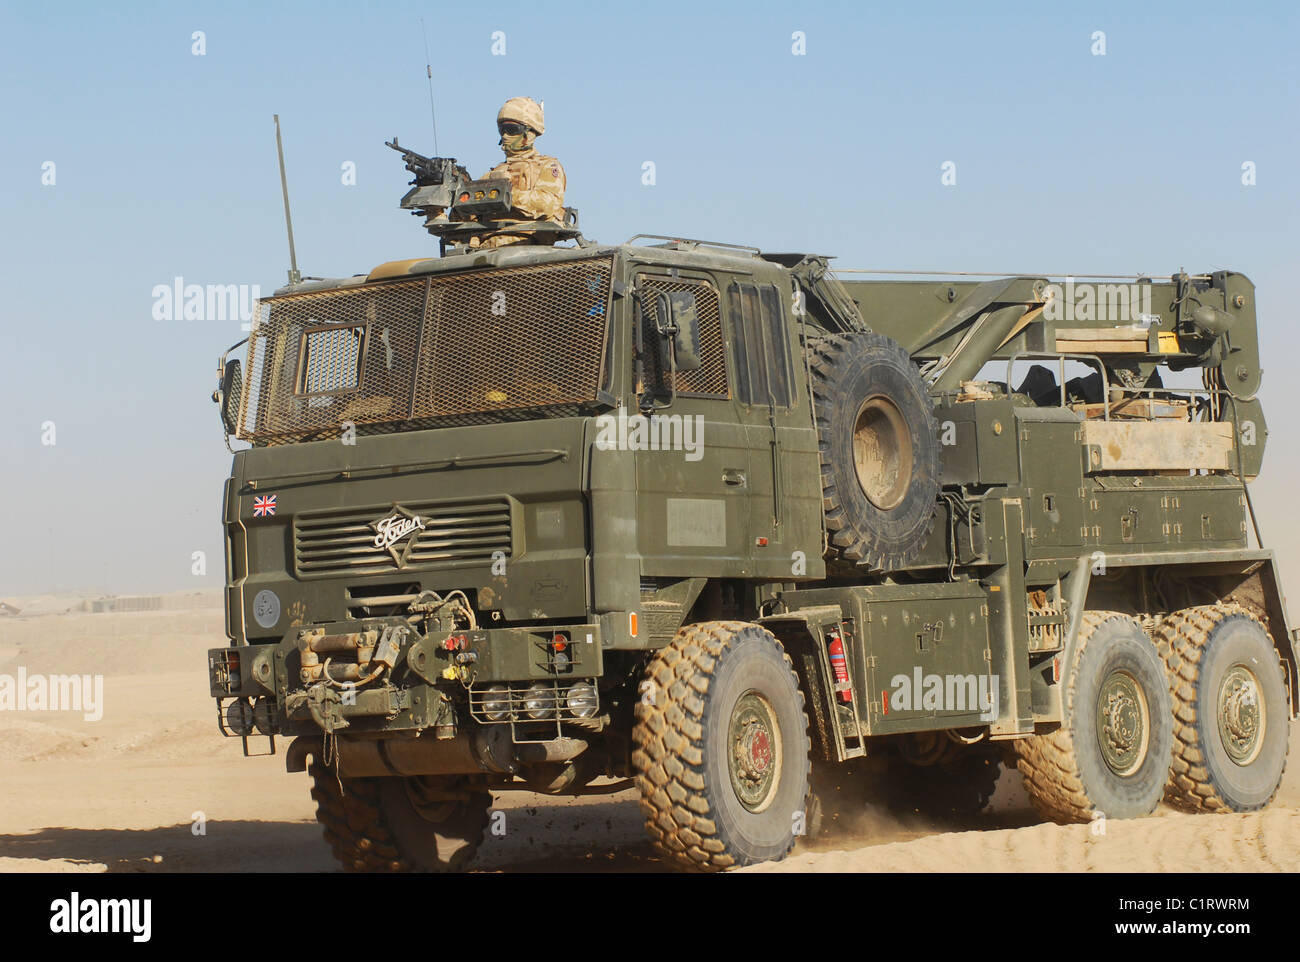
point(1229, 710)
point(957, 780)
point(1110, 756)
point(722, 748)
point(954, 781)
point(412, 824)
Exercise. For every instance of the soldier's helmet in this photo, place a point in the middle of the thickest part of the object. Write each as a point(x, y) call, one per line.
point(523, 110)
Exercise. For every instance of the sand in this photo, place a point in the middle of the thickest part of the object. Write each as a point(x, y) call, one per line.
point(153, 787)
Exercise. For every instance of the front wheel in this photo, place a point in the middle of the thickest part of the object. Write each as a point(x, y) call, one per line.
point(412, 824)
point(722, 748)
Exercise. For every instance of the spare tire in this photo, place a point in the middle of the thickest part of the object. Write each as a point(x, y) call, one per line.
point(879, 446)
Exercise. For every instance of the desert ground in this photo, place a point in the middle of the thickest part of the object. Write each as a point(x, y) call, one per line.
point(129, 791)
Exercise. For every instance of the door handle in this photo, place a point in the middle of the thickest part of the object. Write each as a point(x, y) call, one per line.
point(733, 476)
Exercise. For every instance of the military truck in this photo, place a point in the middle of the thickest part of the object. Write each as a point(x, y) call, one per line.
point(724, 526)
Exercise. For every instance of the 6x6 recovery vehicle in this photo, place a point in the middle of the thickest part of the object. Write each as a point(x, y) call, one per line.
point(715, 523)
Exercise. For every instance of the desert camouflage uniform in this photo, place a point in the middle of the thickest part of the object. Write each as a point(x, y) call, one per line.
point(536, 191)
point(536, 184)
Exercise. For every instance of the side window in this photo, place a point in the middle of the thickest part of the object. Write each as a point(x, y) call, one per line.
point(710, 379)
point(763, 370)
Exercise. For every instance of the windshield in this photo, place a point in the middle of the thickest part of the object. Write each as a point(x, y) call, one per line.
point(464, 348)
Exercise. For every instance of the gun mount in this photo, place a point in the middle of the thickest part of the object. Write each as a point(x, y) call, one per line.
point(456, 208)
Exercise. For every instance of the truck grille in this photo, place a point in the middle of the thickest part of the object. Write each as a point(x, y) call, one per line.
point(451, 535)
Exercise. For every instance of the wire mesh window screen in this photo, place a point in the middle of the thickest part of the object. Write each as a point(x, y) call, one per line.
point(510, 340)
point(461, 348)
point(710, 379)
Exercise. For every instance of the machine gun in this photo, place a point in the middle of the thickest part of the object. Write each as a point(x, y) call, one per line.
point(435, 179)
point(456, 207)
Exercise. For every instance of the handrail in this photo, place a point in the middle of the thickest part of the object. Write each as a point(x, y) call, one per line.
point(1190, 392)
point(1062, 358)
point(1136, 278)
point(695, 241)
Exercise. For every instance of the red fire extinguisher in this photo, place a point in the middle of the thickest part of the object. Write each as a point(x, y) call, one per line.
point(840, 666)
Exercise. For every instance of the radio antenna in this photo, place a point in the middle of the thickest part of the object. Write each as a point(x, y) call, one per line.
point(294, 276)
point(428, 72)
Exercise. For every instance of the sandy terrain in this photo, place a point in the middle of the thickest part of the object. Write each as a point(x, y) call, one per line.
point(124, 793)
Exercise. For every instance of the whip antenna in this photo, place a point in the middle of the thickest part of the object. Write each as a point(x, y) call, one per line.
point(428, 72)
point(294, 276)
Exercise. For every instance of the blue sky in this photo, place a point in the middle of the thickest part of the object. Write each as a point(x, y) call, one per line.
point(165, 167)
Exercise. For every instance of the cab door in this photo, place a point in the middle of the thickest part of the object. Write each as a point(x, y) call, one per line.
point(693, 493)
point(784, 467)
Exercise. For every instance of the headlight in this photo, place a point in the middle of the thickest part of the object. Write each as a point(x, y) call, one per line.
point(264, 716)
point(239, 717)
point(541, 701)
point(496, 703)
point(582, 700)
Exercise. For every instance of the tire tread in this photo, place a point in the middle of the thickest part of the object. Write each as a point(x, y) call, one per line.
point(1049, 763)
point(845, 546)
point(1181, 639)
point(668, 754)
point(353, 823)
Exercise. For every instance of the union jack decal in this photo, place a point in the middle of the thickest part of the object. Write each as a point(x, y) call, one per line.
point(263, 505)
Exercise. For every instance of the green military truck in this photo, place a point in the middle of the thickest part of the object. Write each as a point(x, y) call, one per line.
point(713, 522)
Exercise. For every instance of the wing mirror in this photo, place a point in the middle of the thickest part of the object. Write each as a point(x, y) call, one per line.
point(678, 322)
point(228, 395)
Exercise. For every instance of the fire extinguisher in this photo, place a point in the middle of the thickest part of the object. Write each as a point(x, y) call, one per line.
point(840, 666)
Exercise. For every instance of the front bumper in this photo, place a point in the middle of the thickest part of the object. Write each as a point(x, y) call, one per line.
point(383, 675)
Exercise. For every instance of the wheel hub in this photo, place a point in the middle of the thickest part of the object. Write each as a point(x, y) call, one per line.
point(1241, 719)
point(882, 452)
point(1123, 724)
point(754, 759)
point(431, 798)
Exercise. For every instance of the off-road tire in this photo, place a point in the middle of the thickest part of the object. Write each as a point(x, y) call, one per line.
point(1066, 772)
point(371, 825)
point(838, 793)
point(959, 785)
point(696, 692)
point(1200, 646)
point(873, 408)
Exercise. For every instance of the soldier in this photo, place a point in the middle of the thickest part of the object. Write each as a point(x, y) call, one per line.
point(536, 181)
